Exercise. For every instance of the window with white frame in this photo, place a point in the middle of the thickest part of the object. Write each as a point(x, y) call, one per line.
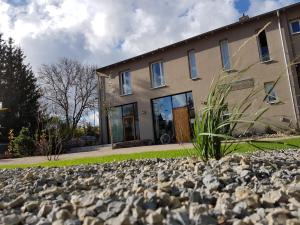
point(295, 26)
point(225, 55)
point(271, 95)
point(125, 83)
point(192, 64)
point(157, 74)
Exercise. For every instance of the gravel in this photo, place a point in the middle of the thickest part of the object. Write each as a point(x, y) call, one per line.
point(259, 188)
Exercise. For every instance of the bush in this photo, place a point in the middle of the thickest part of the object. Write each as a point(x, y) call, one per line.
point(23, 144)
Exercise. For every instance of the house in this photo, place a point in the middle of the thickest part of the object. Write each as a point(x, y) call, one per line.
point(158, 93)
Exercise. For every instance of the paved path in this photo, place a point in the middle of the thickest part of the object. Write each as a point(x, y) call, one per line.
point(96, 151)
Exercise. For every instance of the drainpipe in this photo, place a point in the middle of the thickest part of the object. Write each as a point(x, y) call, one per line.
point(100, 104)
point(287, 68)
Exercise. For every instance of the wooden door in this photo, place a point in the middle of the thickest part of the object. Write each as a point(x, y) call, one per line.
point(182, 124)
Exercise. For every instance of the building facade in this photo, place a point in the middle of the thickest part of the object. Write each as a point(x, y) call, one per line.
point(157, 94)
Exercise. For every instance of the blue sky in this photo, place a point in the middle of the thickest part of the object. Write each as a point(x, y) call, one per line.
point(242, 5)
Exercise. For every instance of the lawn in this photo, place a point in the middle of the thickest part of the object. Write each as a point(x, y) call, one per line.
point(291, 143)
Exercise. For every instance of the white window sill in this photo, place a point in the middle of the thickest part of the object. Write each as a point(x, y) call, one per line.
point(295, 33)
point(274, 102)
point(123, 95)
point(162, 86)
point(229, 70)
point(267, 61)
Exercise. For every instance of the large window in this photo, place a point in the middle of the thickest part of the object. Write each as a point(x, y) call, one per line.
point(192, 64)
point(271, 96)
point(173, 117)
point(225, 55)
point(295, 26)
point(263, 47)
point(157, 75)
point(125, 125)
point(125, 83)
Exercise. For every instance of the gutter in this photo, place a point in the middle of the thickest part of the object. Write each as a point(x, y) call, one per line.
point(287, 68)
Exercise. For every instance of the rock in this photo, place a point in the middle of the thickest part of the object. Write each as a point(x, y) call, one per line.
point(72, 222)
point(183, 183)
point(211, 182)
point(18, 202)
point(30, 206)
point(196, 209)
point(58, 222)
point(44, 210)
point(12, 219)
point(240, 208)
point(92, 221)
point(164, 186)
point(154, 218)
point(178, 216)
point(116, 207)
point(224, 204)
point(205, 219)
point(293, 221)
point(54, 190)
point(29, 176)
point(277, 217)
point(63, 214)
point(83, 212)
point(273, 197)
point(242, 193)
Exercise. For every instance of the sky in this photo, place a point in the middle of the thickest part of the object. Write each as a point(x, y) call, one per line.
point(102, 32)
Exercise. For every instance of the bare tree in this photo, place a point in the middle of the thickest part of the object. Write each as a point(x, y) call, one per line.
point(70, 88)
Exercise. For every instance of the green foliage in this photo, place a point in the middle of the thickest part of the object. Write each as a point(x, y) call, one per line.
point(243, 148)
point(23, 144)
point(219, 119)
point(18, 90)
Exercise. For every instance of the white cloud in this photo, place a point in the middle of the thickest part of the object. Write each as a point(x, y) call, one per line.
point(102, 32)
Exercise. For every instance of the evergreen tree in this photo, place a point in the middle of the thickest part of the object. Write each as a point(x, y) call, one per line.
point(18, 90)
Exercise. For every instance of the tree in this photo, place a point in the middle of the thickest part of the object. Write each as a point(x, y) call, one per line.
point(70, 87)
point(18, 90)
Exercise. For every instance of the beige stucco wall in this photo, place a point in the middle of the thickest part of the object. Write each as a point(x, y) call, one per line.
point(209, 64)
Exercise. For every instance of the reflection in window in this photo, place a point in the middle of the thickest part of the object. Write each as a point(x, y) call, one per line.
point(295, 26)
point(125, 83)
point(263, 47)
point(125, 126)
point(270, 92)
point(225, 55)
point(192, 64)
point(179, 100)
point(163, 118)
point(117, 124)
point(163, 115)
point(157, 76)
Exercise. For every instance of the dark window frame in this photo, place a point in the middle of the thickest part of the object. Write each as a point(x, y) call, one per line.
point(135, 116)
point(173, 128)
point(259, 45)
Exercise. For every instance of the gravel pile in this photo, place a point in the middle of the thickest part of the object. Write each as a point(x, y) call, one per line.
point(262, 188)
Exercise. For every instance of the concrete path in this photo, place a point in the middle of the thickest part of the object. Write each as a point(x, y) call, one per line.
point(95, 151)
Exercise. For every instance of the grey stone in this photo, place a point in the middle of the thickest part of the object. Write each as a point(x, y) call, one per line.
point(12, 219)
point(211, 182)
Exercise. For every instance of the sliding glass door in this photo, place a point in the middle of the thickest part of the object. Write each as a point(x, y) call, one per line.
point(125, 125)
point(173, 117)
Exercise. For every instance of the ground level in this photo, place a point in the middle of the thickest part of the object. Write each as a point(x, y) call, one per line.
point(104, 154)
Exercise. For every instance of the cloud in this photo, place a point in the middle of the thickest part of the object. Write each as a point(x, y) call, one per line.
point(102, 32)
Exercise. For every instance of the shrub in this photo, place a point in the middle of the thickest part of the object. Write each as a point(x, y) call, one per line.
point(23, 144)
